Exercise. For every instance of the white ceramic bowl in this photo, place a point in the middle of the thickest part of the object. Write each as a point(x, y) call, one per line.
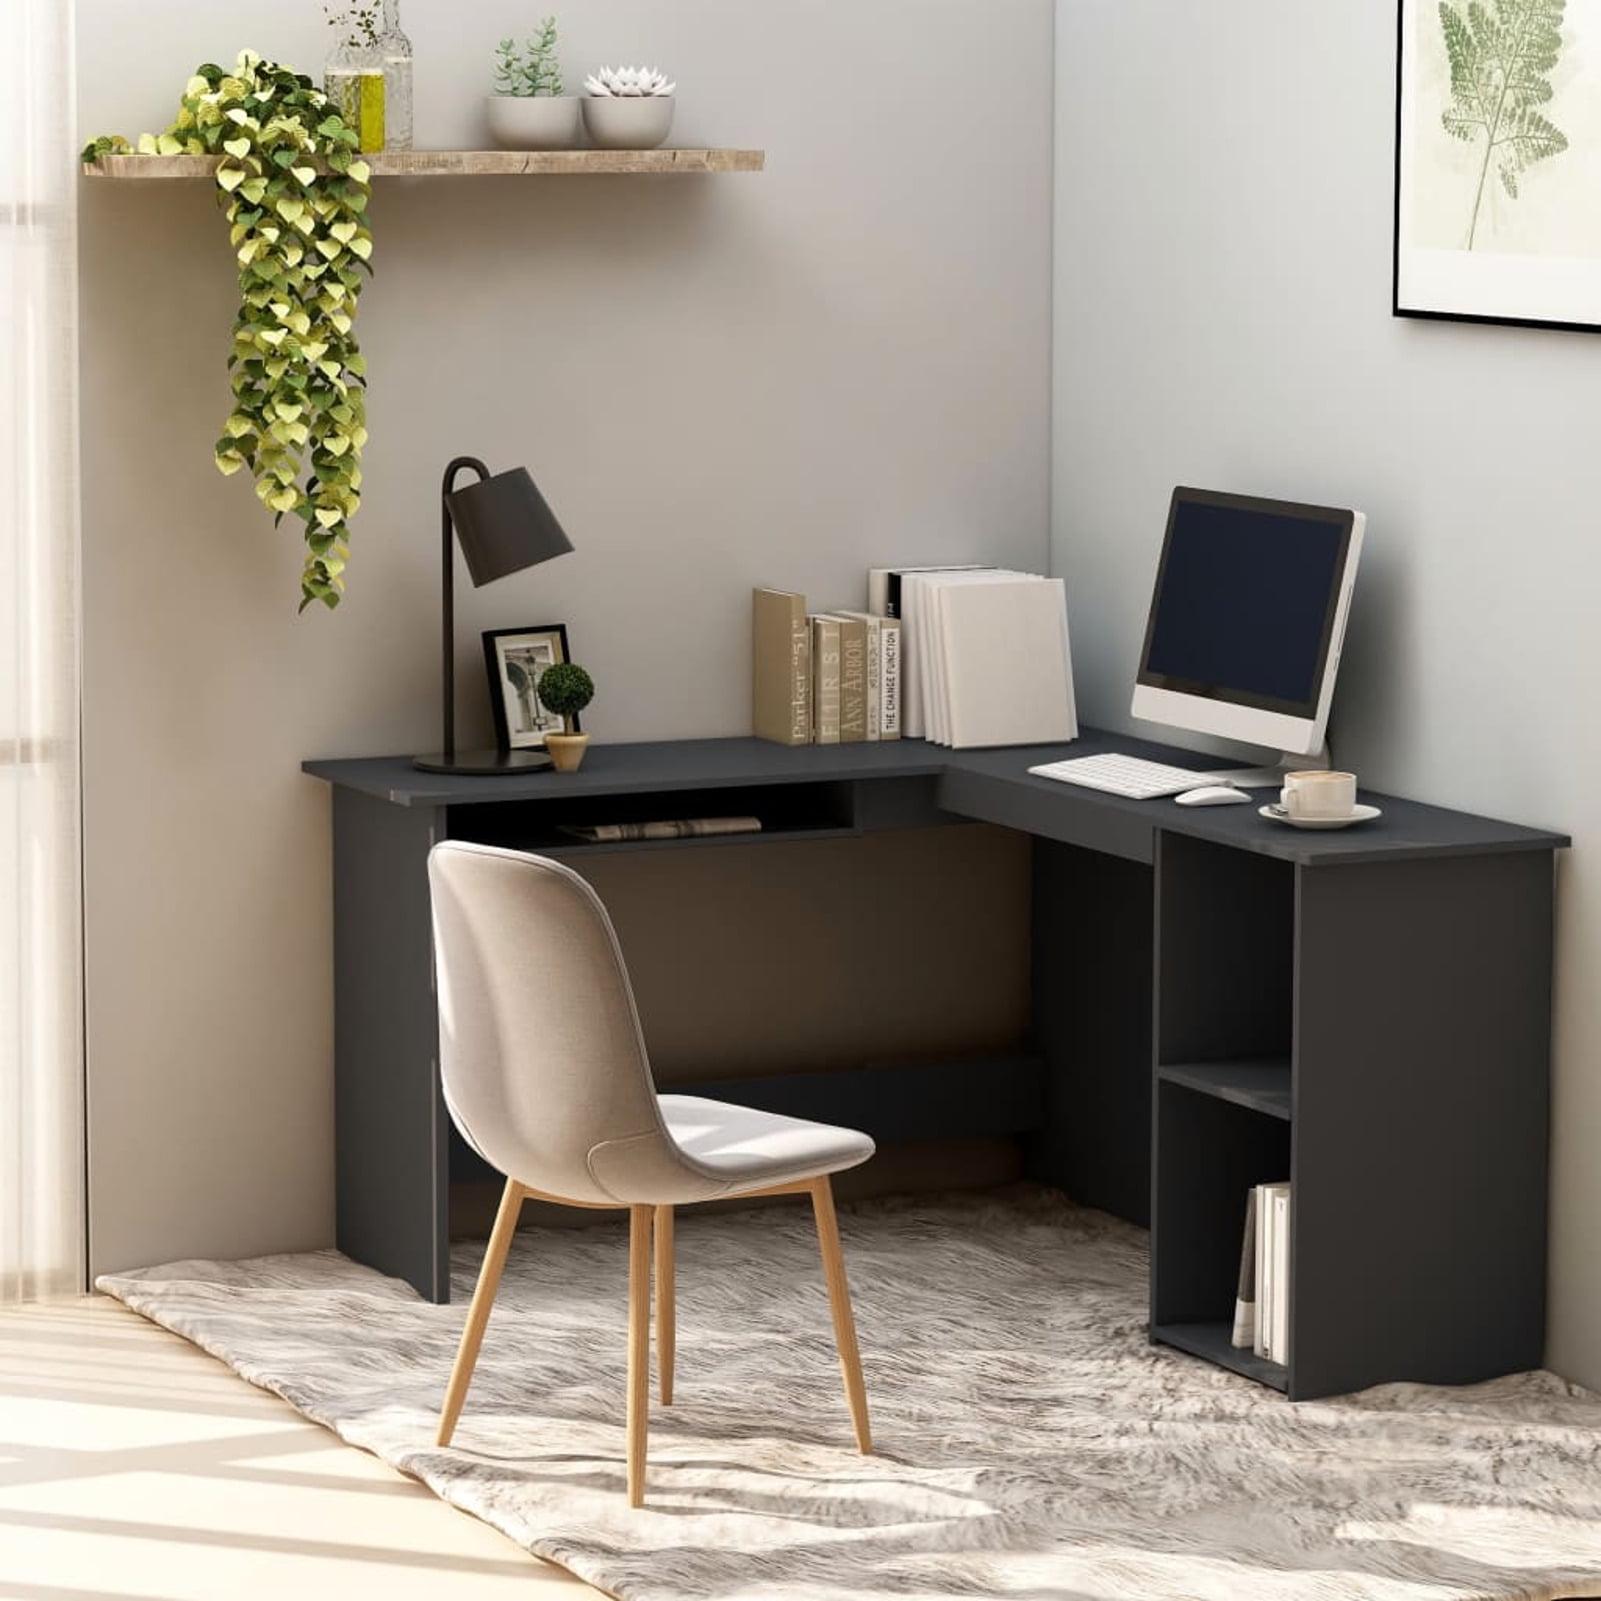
point(534, 122)
point(628, 122)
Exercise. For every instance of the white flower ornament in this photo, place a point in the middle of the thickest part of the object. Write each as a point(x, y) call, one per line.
point(629, 83)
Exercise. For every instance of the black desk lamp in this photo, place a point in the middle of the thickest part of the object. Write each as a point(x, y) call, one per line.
point(504, 526)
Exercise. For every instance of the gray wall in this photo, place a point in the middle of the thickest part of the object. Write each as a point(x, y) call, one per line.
point(771, 379)
point(1222, 311)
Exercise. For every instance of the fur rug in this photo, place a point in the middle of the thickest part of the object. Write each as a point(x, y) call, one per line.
point(1032, 1445)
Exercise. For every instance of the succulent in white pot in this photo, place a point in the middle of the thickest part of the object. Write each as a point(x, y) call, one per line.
point(629, 108)
point(528, 110)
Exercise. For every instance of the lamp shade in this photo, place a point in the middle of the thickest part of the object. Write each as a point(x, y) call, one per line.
point(503, 525)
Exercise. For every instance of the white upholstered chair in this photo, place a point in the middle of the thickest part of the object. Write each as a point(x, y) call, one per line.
point(545, 1074)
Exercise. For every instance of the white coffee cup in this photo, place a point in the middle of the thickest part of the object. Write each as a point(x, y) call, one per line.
point(1319, 796)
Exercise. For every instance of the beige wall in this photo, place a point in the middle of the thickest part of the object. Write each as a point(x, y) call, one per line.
point(1223, 318)
point(718, 382)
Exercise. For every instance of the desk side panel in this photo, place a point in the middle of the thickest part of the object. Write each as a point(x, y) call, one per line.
point(390, 1126)
point(1092, 974)
point(1421, 1121)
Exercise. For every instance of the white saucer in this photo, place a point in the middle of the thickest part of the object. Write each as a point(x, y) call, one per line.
point(1359, 814)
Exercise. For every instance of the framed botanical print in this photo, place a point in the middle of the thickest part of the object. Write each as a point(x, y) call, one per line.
point(516, 659)
point(1498, 162)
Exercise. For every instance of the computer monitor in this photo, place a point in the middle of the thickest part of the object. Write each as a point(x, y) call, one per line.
point(1248, 619)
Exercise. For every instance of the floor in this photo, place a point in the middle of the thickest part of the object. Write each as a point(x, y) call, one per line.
point(133, 1465)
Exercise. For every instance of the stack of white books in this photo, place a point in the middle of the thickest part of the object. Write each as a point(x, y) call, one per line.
point(1262, 1312)
point(985, 658)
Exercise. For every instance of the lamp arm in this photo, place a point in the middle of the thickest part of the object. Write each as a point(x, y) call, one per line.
point(447, 587)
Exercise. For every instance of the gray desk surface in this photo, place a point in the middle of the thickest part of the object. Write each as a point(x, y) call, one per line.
point(1407, 830)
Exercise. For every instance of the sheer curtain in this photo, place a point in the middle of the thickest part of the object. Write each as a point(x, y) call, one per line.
point(41, 1011)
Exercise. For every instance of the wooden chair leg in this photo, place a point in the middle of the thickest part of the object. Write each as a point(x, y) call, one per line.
point(666, 1304)
point(472, 1334)
point(639, 1219)
point(839, 1301)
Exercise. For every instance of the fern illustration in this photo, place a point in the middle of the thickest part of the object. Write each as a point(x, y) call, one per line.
point(1501, 54)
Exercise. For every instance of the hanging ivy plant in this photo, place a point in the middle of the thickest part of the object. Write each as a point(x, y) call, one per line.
point(295, 192)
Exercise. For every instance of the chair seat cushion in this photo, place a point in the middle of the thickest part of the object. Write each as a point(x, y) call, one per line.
point(750, 1150)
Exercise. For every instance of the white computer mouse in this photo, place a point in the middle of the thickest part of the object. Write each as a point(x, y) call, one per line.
point(1213, 795)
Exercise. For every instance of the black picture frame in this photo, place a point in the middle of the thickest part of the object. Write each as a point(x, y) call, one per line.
point(1422, 314)
point(505, 738)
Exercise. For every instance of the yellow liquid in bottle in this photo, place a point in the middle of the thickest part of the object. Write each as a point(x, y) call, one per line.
point(370, 125)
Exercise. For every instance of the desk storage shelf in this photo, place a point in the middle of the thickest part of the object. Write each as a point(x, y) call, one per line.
point(1340, 1028)
point(1213, 1342)
point(466, 164)
point(1260, 1086)
point(785, 811)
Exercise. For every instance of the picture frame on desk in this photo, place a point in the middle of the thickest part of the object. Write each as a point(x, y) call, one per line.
point(516, 659)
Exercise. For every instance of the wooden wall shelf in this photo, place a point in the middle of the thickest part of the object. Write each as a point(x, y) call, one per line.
point(466, 163)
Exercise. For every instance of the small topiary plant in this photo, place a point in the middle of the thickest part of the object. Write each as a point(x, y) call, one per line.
point(295, 193)
point(566, 689)
point(532, 72)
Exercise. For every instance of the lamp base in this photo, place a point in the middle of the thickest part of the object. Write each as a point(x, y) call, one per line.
point(484, 763)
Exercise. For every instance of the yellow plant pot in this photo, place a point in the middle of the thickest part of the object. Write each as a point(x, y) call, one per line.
point(567, 750)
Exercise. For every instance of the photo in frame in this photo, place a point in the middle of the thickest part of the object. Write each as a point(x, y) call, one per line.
point(516, 659)
point(1498, 162)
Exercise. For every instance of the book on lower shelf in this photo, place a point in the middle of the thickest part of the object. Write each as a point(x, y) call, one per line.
point(671, 828)
point(1269, 1211)
point(1245, 1296)
point(1280, 1352)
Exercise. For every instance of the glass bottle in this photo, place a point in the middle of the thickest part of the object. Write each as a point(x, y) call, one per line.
point(395, 49)
point(353, 80)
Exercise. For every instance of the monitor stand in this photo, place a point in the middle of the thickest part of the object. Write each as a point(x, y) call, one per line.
point(1319, 761)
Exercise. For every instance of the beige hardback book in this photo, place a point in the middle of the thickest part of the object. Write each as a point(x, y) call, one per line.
point(781, 667)
point(825, 679)
point(876, 628)
point(852, 676)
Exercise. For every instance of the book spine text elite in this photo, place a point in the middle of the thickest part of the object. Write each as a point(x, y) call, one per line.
point(825, 666)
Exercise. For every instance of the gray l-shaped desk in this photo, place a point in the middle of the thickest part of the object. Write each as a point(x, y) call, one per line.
point(1218, 1001)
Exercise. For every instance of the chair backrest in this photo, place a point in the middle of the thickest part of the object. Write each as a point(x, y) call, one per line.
point(540, 1050)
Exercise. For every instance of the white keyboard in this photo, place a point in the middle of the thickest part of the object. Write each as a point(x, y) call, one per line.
point(1128, 776)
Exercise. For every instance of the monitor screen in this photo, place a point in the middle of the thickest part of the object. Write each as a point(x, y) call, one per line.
point(1245, 600)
